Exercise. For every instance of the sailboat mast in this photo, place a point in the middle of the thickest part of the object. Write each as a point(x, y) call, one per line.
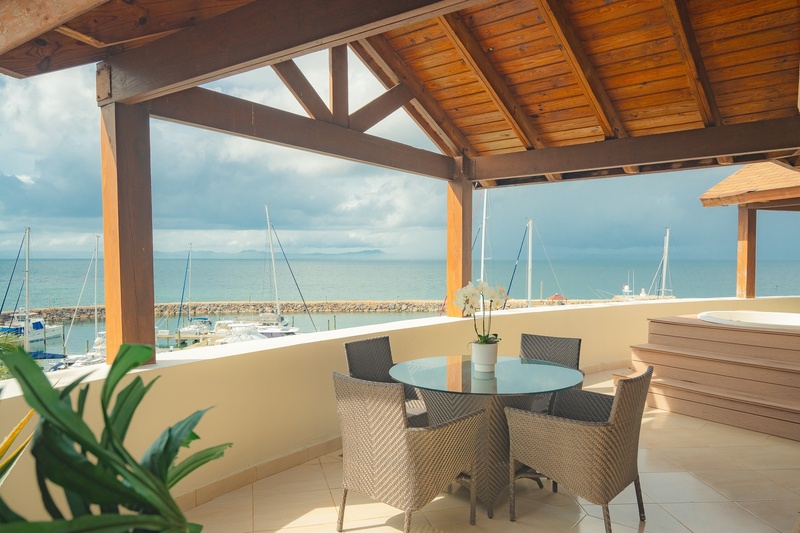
point(664, 269)
point(272, 259)
point(25, 330)
point(189, 303)
point(530, 259)
point(483, 235)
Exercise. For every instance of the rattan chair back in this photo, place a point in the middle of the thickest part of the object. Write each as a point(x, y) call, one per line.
point(564, 351)
point(386, 460)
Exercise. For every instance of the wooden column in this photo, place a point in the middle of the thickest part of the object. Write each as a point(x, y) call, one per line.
point(459, 240)
point(746, 254)
point(127, 226)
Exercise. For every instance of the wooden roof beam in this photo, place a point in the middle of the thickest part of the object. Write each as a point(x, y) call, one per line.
point(386, 65)
point(381, 107)
point(22, 21)
point(256, 35)
point(557, 20)
point(699, 83)
point(745, 138)
point(220, 112)
point(297, 83)
point(493, 83)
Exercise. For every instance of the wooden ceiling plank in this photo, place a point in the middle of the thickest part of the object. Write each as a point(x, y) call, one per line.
point(370, 58)
point(380, 108)
point(21, 22)
point(220, 112)
point(581, 66)
point(297, 83)
point(256, 35)
point(493, 83)
point(479, 63)
point(392, 65)
point(681, 25)
point(748, 138)
point(340, 107)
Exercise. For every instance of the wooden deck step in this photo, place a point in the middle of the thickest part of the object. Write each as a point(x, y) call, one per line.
point(693, 333)
point(750, 411)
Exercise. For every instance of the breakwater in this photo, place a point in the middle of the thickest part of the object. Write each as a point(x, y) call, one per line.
point(55, 315)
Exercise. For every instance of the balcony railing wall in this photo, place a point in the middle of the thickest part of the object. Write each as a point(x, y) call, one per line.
point(274, 399)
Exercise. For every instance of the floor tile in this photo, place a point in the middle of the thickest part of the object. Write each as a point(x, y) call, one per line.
point(717, 516)
point(744, 485)
point(229, 513)
point(787, 478)
point(657, 519)
point(783, 515)
point(672, 487)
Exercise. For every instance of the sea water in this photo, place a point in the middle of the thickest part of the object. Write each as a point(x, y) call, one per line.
point(70, 283)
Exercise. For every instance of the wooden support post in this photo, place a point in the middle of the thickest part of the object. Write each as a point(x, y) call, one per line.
point(127, 226)
point(459, 240)
point(339, 86)
point(746, 254)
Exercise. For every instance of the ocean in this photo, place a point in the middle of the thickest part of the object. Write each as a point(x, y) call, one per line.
point(69, 283)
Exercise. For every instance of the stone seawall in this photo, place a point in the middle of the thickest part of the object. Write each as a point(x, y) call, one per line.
point(231, 309)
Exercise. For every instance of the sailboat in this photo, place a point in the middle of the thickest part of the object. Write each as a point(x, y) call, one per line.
point(29, 327)
point(270, 323)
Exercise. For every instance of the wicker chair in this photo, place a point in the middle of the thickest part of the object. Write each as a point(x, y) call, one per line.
point(589, 444)
point(386, 460)
point(371, 359)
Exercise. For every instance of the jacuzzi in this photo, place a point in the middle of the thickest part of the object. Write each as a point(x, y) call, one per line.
point(753, 319)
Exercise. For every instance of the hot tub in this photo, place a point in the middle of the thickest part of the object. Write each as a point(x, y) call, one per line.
point(753, 319)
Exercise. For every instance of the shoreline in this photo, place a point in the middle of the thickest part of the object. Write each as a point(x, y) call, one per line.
point(212, 309)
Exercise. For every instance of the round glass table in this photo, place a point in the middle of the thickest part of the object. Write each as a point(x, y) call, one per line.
point(450, 387)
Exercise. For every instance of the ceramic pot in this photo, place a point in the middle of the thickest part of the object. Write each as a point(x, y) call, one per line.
point(484, 356)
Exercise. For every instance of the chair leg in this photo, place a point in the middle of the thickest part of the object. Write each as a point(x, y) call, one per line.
point(512, 478)
point(473, 499)
point(340, 522)
point(638, 486)
point(407, 523)
point(555, 486)
point(607, 518)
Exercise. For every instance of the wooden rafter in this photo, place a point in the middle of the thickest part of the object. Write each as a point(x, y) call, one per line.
point(752, 137)
point(255, 35)
point(557, 20)
point(297, 83)
point(381, 107)
point(340, 108)
point(19, 24)
point(492, 82)
point(387, 66)
point(696, 73)
point(219, 112)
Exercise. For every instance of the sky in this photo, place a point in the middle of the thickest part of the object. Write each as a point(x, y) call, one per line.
point(210, 189)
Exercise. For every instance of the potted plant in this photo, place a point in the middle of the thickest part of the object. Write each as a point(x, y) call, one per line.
point(481, 298)
point(106, 489)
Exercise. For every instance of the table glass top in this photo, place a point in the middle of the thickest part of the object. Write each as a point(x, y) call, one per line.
point(512, 375)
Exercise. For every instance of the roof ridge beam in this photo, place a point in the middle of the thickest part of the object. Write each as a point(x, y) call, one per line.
point(256, 35)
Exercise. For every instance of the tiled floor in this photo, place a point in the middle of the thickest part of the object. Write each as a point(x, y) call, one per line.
point(696, 476)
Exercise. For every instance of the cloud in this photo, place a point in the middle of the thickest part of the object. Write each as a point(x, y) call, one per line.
point(210, 189)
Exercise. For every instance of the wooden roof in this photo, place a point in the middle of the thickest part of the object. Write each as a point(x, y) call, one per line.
point(767, 185)
point(511, 92)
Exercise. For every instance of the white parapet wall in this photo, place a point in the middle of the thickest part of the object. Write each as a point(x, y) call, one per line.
point(274, 400)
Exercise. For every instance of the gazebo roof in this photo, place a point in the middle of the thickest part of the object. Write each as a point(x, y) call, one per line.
point(511, 92)
point(767, 185)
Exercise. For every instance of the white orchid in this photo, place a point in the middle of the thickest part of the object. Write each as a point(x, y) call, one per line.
point(472, 298)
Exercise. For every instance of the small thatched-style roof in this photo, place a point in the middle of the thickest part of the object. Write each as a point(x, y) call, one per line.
point(766, 185)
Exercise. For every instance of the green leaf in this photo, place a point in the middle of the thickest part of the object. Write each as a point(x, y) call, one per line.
point(194, 461)
point(63, 465)
point(162, 453)
point(129, 357)
point(127, 402)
